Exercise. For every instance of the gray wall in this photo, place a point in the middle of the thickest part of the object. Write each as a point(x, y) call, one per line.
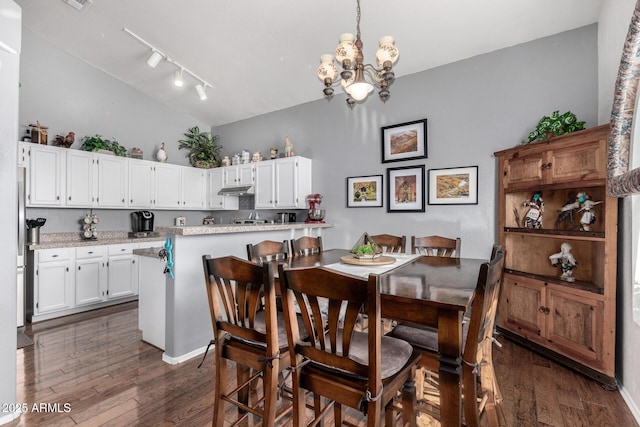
point(474, 108)
point(614, 23)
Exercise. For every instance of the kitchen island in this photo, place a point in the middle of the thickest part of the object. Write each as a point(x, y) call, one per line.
point(188, 327)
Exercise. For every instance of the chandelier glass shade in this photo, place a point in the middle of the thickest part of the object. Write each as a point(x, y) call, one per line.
point(357, 78)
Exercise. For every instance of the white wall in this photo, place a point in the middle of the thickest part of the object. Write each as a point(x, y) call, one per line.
point(613, 26)
point(474, 108)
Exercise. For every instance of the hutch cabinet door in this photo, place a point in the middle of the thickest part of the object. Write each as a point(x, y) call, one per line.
point(579, 163)
point(523, 305)
point(523, 171)
point(575, 323)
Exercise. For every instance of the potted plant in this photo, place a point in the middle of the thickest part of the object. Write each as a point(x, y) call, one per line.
point(99, 144)
point(203, 150)
point(555, 125)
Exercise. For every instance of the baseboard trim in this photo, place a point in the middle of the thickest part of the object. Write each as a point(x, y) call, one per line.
point(10, 416)
point(183, 358)
point(635, 411)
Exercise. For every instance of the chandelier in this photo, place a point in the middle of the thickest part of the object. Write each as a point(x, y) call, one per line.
point(358, 79)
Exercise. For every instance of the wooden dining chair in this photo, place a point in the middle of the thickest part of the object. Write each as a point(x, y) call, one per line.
point(306, 246)
point(436, 246)
point(247, 330)
point(477, 359)
point(389, 243)
point(268, 250)
point(361, 370)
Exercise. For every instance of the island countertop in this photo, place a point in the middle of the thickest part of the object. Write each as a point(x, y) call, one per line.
point(196, 230)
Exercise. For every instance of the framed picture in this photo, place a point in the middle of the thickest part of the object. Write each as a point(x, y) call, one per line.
point(405, 141)
point(405, 189)
point(364, 191)
point(453, 186)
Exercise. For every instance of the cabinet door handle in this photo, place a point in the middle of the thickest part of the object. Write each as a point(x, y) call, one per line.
point(541, 309)
point(78, 268)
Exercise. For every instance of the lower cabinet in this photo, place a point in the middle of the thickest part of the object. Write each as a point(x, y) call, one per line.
point(71, 280)
point(566, 322)
point(122, 271)
point(90, 275)
point(53, 287)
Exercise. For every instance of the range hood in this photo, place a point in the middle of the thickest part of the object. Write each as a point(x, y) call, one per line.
point(243, 190)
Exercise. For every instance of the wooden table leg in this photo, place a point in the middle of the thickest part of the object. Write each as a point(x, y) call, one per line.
point(449, 346)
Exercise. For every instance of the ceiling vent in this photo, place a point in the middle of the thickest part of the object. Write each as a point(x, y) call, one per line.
point(77, 4)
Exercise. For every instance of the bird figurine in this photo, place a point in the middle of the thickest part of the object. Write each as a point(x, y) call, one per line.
point(161, 155)
point(69, 139)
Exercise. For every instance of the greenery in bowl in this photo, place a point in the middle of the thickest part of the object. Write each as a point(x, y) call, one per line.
point(554, 125)
point(97, 142)
point(203, 150)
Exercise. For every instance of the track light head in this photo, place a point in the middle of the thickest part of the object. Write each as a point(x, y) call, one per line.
point(177, 78)
point(154, 59)
point(200, 89)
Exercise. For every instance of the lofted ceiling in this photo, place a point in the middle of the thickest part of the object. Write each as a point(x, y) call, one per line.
point(261, 55)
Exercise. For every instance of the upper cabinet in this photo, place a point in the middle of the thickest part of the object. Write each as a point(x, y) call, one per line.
point(59, 177)
point(45, 176)
point(282, 183)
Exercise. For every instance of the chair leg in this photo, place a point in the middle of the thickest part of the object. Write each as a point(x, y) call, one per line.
point(374, 413)
point(270, 385)
point(337, 414)
point(409, 402)
point(299, 401)
point(221, 378)
point(470, 403)
point(242, 375)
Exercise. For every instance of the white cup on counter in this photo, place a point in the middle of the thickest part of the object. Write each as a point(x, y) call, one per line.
point(181, 221)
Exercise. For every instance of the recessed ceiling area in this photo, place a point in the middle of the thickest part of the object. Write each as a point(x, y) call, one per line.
point(262, 56)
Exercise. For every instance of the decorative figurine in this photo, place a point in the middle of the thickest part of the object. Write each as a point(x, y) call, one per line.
point(226, 161)
point(245, 156)
point(257, 157)
point(565, 259)
point(64, 141)
point(568, 211)
point(273, 153)
point(235, 159)
point(588, 217)
point(288, 148)
point(162, 155)
point(533, 218)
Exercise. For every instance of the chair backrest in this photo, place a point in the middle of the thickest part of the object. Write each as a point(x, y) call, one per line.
point(237, 291)
point(306, 246)
point(495, 249)
point(436, 246)
point(389, 243)
point(484, 306)
point(332, 325)
point(267, 251)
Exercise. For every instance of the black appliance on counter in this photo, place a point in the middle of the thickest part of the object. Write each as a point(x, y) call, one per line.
point(142, 224)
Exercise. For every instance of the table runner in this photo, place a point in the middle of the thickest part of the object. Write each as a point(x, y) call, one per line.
point(364, 270)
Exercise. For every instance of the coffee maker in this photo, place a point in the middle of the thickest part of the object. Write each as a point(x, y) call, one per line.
point(142, 223)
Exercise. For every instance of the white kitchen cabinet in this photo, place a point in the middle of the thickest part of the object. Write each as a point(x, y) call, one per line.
point(239, 175)
point(53, 284)
point(45, 176)
point(194, 188)
point(168, 186)
point(122, 271)
point(90, 275)
point(216, 201)
point(81, 178)
point(112, 181)
point(142, 184)
point(282, 183)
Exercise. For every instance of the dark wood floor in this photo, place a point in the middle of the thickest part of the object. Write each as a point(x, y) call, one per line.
point(98, 365)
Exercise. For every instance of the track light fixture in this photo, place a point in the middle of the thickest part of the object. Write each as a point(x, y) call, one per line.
point(154, 59)
point(177, 78)
point(157, 56)
point(200, 89)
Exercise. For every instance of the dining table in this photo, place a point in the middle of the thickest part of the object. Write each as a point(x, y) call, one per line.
point(422, 290)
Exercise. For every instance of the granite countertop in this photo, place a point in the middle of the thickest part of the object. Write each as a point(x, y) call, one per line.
point(72, 240)
point(148, 252)
point(75, 239)
point(196, 230)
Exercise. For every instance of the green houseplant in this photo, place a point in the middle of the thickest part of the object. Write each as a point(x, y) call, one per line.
point(97, 143)
point(203, 150)
point(554, 125)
